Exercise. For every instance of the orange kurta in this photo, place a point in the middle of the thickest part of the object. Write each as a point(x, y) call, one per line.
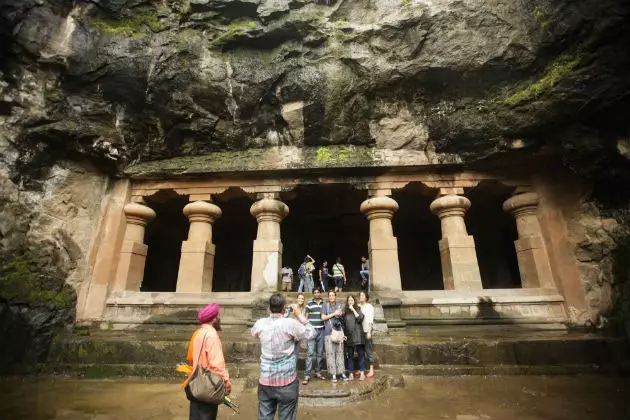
point(212, 355)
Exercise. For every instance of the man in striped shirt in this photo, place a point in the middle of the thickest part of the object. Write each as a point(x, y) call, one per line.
point(315, 344)
point(278, 386)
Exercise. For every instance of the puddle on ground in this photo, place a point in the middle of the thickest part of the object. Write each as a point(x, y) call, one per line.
point(457, 398)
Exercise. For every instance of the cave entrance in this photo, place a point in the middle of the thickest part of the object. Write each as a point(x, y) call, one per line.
point(494, 232)
point(164, 237)
point(325, 222)
point(418, 232)
point(233, 235)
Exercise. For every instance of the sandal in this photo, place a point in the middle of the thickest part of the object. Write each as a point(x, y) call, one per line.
point(319, 376)
point(305, 381)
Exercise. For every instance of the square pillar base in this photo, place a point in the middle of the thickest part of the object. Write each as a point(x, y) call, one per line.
point(384, 265)
point(460, 268)
point(130, 272)
point(266, 265)
point(533, 263)
point(196, 267)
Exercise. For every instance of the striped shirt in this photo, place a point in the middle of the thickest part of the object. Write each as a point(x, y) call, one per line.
point(338, 270)
point(278, 338)
point(314, 311)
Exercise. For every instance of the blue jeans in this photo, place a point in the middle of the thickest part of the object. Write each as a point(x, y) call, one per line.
point(315, 347)
point(350, 354)
point(306, 284)
point(365, 275)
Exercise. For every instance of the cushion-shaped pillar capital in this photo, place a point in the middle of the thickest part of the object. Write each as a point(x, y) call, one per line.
point(379, 207)
point(202, 211)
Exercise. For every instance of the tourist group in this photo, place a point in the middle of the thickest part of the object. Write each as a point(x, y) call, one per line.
point(341, 329)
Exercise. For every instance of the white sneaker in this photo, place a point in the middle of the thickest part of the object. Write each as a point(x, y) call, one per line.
point(334, 378)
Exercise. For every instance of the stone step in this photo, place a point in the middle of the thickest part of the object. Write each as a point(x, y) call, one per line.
point(170, 347)
point(249, 372)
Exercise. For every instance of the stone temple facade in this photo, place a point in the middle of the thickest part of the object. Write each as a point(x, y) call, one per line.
point(447, 243)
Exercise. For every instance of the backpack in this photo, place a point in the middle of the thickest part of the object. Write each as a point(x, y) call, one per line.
point(302, 270)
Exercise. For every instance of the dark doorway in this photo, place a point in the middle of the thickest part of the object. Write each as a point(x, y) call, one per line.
point(164, 237)
point(325, 222)
point(233, 235)
point(494, 232)
point(418, 232)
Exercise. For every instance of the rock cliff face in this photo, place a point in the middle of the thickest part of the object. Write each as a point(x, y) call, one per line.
point(106, 83)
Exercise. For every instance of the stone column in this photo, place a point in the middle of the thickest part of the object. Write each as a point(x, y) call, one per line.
point(533, 262)
point(133, 253)
point(196, 264)
point(267, 258)
point(460, 268)
point(383, 245)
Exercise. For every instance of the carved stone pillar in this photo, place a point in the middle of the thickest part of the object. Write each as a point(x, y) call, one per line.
point(533, 262)
point(460, 268)
point(133, 253)
point(267, 258)
point(196, 265)
point(383, 245)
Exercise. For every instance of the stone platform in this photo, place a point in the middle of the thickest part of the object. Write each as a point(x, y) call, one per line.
point(534, 308)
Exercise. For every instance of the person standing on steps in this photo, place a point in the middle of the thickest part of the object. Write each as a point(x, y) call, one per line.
point(287, 278)
point(315, 344)
point(324, 275)
point(332, 316)
point(365, 273)
point(352, 318)
point(339, 275)
point(368, 328)
point(305, 273)
point(205, 349)
point(278, 386)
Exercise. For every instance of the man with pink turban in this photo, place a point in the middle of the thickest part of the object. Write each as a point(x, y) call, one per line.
point(205, 349)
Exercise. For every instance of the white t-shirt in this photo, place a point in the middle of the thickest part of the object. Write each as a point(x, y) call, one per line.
point(287, 274)
point(368, 317)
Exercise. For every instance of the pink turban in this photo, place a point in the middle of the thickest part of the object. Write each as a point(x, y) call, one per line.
point(208, 313)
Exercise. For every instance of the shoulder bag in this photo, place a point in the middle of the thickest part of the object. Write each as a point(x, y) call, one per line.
point(336, 336)
point(205, 385)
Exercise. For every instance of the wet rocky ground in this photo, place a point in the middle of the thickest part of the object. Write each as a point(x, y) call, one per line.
point(584, 397)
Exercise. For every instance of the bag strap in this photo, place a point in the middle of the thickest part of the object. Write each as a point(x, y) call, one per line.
point(194, 367)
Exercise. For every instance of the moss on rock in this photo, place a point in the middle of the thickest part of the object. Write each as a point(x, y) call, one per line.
point(234, 30)
point(22, 282)
point(127, 26)
point(555, 72)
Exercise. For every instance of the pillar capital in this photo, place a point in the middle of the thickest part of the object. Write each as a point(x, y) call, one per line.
point(202, 211)
point(379, 207)
point(522, 204)
point(450, 205)
point(269, 209)
point(138, 214)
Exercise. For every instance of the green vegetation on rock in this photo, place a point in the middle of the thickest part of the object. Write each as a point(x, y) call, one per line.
point(541, 18)
point(234, 30)
point(337, 155)
point(21, 282)
point(554, 74)
point(128, 26)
